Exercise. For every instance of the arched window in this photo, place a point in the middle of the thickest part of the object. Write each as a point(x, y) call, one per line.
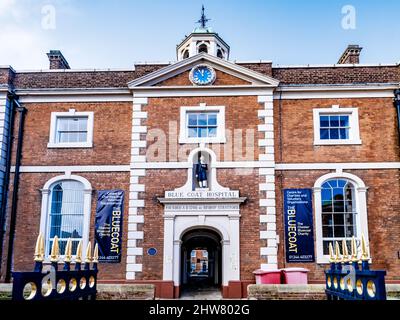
point(66, 211)
point(220, 54)
point(340, 211)
point(203, 48)
point(186, 54)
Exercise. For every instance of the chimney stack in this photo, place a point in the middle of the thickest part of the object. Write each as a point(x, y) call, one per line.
point(57, 60)
point(351, 55)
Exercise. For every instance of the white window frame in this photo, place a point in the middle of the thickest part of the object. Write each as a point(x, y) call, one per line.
point(46, 205)
point(184, 132)
point(354, 131)
point(71, 113)
point(360, 199)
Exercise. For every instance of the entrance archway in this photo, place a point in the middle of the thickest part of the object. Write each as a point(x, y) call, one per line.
point(201, 260)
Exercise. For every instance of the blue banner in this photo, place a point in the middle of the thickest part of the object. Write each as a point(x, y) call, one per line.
point(299, 230)
point(108, 225)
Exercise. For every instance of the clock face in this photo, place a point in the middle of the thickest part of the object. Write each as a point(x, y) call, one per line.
point(202, 75)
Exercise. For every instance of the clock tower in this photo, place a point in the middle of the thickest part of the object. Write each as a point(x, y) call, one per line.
point(203, 39)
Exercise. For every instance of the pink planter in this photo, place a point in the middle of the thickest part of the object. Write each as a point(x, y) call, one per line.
point(268, 276)
point(295, 275)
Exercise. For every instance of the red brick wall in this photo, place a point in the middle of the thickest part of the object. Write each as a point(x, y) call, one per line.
point(29, 212)
point(240, 113)
point(378, 132)
point(337, 75)
point(111, 135)
point(383, 219)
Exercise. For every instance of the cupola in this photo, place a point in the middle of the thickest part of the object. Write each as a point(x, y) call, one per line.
point(203, 39)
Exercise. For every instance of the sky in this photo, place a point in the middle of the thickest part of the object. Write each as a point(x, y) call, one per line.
point(118, 33)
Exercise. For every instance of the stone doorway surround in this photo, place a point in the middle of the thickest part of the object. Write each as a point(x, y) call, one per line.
point(216, 209)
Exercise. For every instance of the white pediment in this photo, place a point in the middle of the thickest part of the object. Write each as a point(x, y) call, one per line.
point(254, 78)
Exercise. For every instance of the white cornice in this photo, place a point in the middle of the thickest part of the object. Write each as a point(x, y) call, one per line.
point(171, 70)
point(204, 91)
point(310, 66)
point(336, 91)
point(74, 95)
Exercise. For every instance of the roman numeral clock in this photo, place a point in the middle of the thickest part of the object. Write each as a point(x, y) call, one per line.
point(202, 75)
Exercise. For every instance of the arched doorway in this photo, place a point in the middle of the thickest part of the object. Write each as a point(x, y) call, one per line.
point(201, 263)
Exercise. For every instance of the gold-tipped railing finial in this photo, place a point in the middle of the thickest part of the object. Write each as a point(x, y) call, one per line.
point(68, 251)
point(331, 255)
point(354, 253)
point(96, 254)
point(78, 256)
point(364, 250)
point(345, 251)
point(55, 250)
point(338, 257)
point(39, 252)
point(88, 257)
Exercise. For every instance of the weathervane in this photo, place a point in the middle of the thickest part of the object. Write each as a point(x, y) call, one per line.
point(203, 20)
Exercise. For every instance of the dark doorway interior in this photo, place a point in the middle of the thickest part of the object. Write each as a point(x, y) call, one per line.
point(201, 260)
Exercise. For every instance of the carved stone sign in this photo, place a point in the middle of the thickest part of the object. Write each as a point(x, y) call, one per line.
point(202, 194)
point(201, 207)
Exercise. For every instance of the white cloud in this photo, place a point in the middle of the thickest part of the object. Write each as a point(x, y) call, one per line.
point(23, 39)
point(25, 49)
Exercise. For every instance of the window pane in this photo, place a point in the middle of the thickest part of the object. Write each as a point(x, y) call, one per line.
point(324, 134)
point(327, 232)
point(327, 206)
point(327, 219)
point(339, 231)
point(338, 219)
point(202, 119)
point(212, 119)
point(334, 134)
point(62, 124)
point(324, 121)
point(192, 132)
point(344, 121)
point(73, 124)
point(73, 137)
point(344, 134)
point(83, 124)
point(334, 121)
point(212, 132)
point(192, 119)
point(202, 132)
point(338, 206)
point(82, 137)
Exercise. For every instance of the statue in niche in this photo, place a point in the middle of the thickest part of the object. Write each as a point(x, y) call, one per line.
point(201, 172)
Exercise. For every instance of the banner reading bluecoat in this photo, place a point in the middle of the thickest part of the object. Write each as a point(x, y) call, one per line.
point(299, 231)
point(108, 224)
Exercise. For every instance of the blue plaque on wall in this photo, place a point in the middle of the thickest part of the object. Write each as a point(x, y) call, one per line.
point(152, 251)
point(299, 230)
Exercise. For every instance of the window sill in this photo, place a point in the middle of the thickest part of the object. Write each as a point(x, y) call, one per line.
point(336, 142)
point(52, 145)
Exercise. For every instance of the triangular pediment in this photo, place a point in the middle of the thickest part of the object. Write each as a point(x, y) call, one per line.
point(228, 74)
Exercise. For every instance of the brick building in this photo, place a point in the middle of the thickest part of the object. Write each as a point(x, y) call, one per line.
point(255, 129)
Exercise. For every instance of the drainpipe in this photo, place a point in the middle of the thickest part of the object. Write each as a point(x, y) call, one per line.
point(10, 139)
point(13, 215)
point(397, 104)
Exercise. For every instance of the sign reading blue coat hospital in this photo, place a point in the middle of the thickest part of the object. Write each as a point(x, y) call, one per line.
point(299, 233)
point(108, 225)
